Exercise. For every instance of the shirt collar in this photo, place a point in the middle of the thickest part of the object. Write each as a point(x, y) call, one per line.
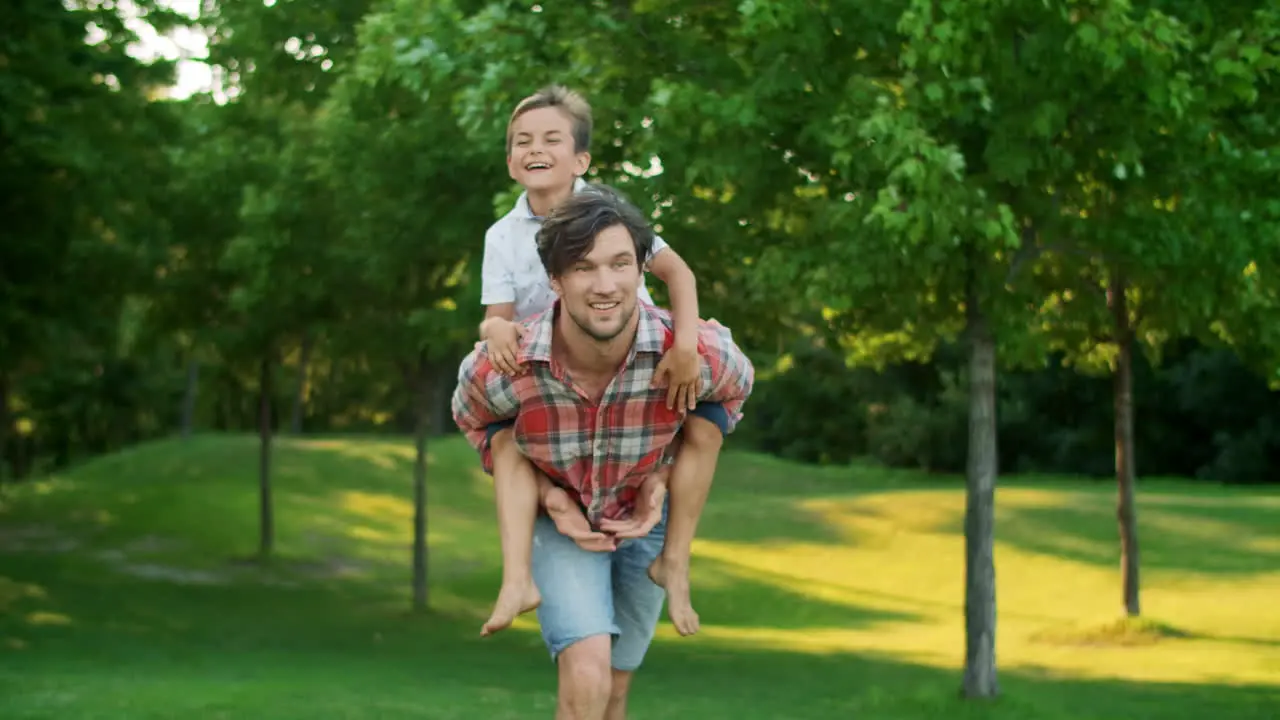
point(524, 212)
point(651, 333)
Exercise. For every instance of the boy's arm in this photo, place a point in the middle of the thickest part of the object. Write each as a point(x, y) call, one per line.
point(497, 281)
point(679, 366)
point(727, 371)
point(672, 270)
point(502, 311)
point(483, 397)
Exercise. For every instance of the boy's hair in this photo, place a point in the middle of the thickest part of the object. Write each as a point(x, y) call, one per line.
point(568, 101)
point(570, 230)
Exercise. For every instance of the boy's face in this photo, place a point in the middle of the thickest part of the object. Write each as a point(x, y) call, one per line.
point(542, 155)
point(599, 291)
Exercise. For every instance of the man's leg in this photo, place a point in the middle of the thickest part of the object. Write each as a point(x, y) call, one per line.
point(577, 619)
point(515, 489)
point(637, 603)
point(690, 484)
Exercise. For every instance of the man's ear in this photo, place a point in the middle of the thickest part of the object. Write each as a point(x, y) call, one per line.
point(556, 287)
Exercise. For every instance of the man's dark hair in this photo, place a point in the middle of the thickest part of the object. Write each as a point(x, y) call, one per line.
point(570, 230)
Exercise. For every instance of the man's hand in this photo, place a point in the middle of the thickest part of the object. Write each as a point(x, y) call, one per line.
point(503, 340)
point(681, 370)
point(573, 524)
point(648, 510)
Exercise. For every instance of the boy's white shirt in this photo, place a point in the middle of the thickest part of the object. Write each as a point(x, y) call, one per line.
point(512, 272)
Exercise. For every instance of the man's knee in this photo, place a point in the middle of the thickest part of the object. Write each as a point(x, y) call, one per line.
point(586, 678)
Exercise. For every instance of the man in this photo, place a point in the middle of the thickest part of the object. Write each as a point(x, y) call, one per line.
point(588, 417)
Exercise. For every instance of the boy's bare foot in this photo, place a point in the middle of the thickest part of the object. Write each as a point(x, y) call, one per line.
point(514, 599)
point(674, 578)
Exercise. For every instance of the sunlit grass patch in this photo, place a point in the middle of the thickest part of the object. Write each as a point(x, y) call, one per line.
point(129, 587)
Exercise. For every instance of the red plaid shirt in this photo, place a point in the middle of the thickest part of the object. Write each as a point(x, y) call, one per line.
point(600, 451)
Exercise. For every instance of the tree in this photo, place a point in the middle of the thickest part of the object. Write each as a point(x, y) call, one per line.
point(82, 177)
point(416, 197)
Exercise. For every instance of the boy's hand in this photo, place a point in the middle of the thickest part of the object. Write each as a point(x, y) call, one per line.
point(682, 372)
point(503, 340)
point(647, 513)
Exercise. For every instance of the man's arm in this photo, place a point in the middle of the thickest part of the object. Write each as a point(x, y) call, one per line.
point(727, 373)
point(483, 397)
point(672, 270)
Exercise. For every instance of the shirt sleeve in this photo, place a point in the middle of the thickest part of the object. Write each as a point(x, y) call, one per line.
point(727, 373)
point(497, 279)
point(483, 396)
point(658, 246)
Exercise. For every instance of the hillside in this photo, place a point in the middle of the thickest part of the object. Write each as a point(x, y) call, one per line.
point(125, 592)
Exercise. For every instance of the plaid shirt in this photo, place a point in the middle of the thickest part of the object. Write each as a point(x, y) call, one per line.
point(600, 452)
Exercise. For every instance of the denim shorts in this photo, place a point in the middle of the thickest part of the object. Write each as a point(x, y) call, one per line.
point(586, 593)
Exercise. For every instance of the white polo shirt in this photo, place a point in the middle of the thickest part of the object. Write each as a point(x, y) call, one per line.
point(512, 272)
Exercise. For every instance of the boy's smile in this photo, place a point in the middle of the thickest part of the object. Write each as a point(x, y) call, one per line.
point(542, 156)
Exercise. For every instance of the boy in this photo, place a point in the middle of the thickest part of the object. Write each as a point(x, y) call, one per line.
point(548, 140)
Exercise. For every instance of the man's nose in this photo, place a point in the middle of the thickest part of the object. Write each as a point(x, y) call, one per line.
point(604, 281)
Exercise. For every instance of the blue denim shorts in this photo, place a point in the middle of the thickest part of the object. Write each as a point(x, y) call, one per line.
point(586, 593)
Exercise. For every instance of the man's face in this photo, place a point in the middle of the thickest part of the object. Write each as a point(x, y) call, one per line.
point(599, 291)
point(542, 155)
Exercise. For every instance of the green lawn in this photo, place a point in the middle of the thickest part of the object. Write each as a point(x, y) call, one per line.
point(824, 593)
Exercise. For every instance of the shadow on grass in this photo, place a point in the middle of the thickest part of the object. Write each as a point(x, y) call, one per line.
point(338, 651)
point(1178, 533)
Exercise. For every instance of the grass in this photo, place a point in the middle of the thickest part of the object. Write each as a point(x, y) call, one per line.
point(125, 593)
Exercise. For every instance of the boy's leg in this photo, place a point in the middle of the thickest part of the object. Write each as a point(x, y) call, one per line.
point(690, 483)
point(515, 487)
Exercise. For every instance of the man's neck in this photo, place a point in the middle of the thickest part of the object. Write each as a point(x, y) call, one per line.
point(583, 355)
point(541, 202)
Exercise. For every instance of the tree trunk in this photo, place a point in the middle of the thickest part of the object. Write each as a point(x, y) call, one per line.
point(1126, 473)
point(300, 392)
point(6, 425)
point(266, 519)
point(422, 420)
point(979, 518)
point(189, 398)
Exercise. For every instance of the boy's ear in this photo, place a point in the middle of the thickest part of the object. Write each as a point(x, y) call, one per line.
point(555, 287)
point(582, 161)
